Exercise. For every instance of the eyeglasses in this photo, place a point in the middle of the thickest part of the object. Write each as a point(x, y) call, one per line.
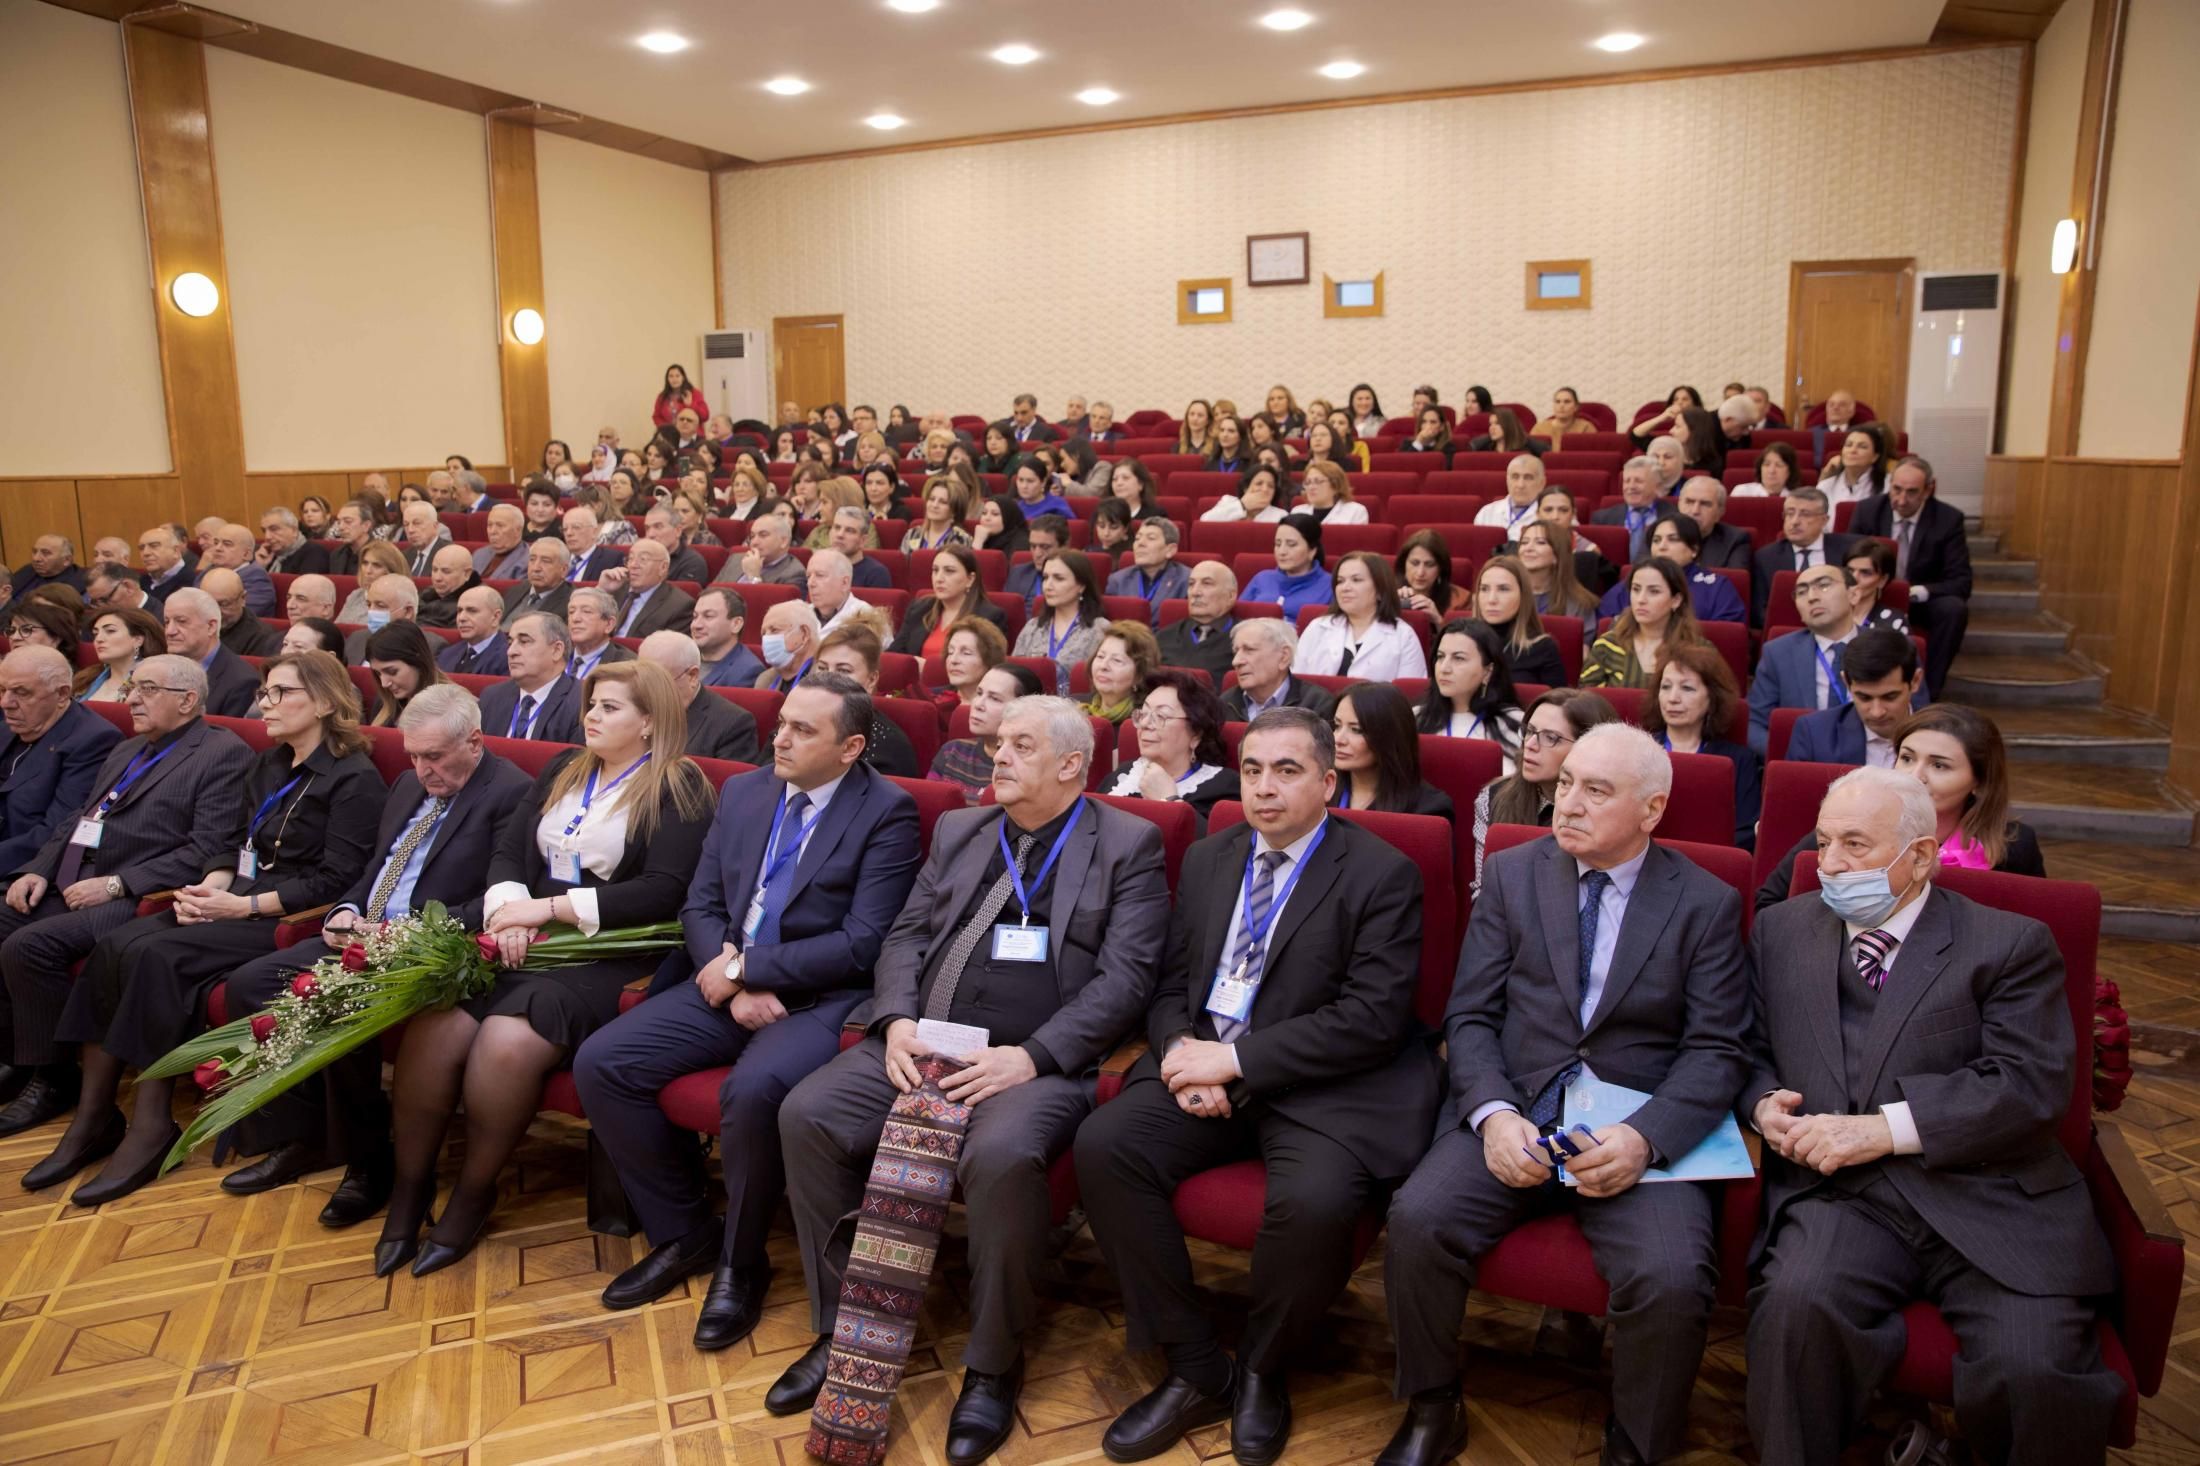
point(1155, 718)
point(273, 694)
point(147, 689)
point(1538, 738)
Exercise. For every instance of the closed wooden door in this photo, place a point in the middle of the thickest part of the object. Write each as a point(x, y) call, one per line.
point(1849, 328)
point(809, 363)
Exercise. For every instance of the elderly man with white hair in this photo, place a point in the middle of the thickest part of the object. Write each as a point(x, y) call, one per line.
point(1644, 498)
point(51, 749)
point(831, 584)
point(310, 595)
point(790, 638)
point(390, 598)
point(424, 537)
point(1262, 649)
point(1737, 420)
point(647, 600)
point(590, 615)
point(717, 727)
point(1595, 955)
point(582, 533)
point(1912, 1065)
point(545, 590)
point(192, 620)
point(285, 549)
point(504, 557)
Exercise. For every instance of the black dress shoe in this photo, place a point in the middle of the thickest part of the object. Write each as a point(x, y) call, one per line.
point(364, 1191)
point(1619, 1447)
point(436, 1256)
point(732, 1307)
point(1163, 1416)
point(392, 1253)
point(984, 1414)
point(12, 1079)
point(1433, 1430)
point(63, 1164)
point(41, 1099)
point(1260, 1423)
point(279, 1167)
point(104, 1187)
point(796, 1390)
point(666, 1268)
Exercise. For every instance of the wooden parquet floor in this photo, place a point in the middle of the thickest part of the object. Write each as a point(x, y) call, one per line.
point(183, 1326)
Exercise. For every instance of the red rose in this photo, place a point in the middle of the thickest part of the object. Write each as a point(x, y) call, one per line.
point(263, 1027)
point(355, 958)
point(488, 946)
point(303, 985)
point(209, 1076)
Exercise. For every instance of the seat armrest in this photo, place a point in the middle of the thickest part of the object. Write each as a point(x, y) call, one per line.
point(152, 903)
point(2148, 1247)
point(1115, 1066)
point(294, 927)
point(1741, 1205)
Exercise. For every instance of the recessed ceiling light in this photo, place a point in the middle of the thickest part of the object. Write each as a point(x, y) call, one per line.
point(1286, 20)
point(787, 86)
point(1098, 96)
point(914, 7)
point(664, 43)
point(885, 121)
point(1617, 41)
point(1016, 53)
point(1342, 70)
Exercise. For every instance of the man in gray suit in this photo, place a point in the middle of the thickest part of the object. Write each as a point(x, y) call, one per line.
point(165, 808)
point(1912, 1067)
point(544, 590)
point(1592, 952)
point(1093, 880)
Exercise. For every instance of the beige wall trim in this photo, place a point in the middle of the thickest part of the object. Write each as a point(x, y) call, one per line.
point(2088, 205)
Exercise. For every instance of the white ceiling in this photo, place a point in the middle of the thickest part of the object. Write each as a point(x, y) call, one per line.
point(1163, 56)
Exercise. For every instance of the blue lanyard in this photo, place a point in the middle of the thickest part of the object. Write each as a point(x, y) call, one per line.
point(139, 767)
point(1151, 591)
point(578, 669)
point(1015, 877)
point(1836, 694)
point(1514, 516)
point(789, 682)
point(252, 830)
point(525, 727)
point(1256, 933)
point(1056, 643)
point(775, 863)
point(588, 793)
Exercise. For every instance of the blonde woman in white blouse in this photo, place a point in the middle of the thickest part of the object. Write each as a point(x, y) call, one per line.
point(1362, 635)
point(1258, 496)
point(1325, 491)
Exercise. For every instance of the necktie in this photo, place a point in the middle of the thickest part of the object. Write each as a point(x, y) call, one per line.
point(1802, 558)
point(1246, 957)
point(407, 846)
point(1836, 693)
point(966, 941)
point(1872, 948)
point(523, 717)
point(633, 609)
point(1344, 665)
point(1593, 885)
point(465, 660)
point(1902, 528)
point(774, 895)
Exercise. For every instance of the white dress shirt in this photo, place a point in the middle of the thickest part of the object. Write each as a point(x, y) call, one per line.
point(1387, 650)
point(600, 842)
point(821, 796)
point(1504, 514)
point(1821, 690)
point(1232, 511)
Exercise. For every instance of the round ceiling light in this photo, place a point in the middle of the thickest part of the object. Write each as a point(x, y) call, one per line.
point(1016, 53)
point(1342, 70)
point(914, 7)
point(787, 86)
point(194, 294)
point(1099, 96)
point(1286, 20)
point(885, 121)
point(664, 43)
point(527, 326)
point(1617, 42)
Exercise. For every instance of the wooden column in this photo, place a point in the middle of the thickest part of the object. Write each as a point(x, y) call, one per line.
point(516, 225)
point(2088, 192)
point(2184, 628)
point(198, 357)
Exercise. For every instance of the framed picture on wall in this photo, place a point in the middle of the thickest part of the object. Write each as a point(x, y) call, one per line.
point(1276, 259)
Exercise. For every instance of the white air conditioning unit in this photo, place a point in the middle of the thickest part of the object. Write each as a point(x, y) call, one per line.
point(1955, 375)
point(737, 374)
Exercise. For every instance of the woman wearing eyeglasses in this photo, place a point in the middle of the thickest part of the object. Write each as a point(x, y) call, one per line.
point(312, 804)
point(1555, 721)
point(1181, 756)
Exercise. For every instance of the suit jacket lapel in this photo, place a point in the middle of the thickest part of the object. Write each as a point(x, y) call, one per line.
point(1207, 953)
point(1639, 929)
point(454, 815)
point(749, 853)
point(1558, 896)
point(1070, 871)
point(1918, 964)
point(967, 871)
point(1820, 995)
point(1322, 868)
point(180, 750)
point(831, 825)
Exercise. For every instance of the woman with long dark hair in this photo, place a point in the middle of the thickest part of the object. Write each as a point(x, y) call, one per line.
point(1660, 614)
point(1504, 602)
point(1694, 696)
point(1379, 754)
point(1470, 692)
point(1424, 576)
point(404, 662)
point(956, 592)
point(678, 392)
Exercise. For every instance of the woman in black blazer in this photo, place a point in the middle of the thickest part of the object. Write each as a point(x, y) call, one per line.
point(956, 592)
point(1379, 754)
point(609, 837)
point(312, 803)
point(1693, 698)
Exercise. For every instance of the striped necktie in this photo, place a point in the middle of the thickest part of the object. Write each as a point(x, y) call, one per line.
point(1872, 948)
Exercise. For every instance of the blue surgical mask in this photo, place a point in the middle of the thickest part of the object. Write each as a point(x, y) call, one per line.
point(1859, 897)
point(775, 649)
point(376, 620)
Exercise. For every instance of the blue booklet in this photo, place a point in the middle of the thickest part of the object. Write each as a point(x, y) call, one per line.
point(1723, 1155)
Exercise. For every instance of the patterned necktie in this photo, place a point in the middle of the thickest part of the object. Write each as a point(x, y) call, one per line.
point(966, 941)
point(773, 898)
point(1593, 885)
point(1247, 960)
point(523, 717)
point(1872, 948)
point(1902, 528)
point(408, 845)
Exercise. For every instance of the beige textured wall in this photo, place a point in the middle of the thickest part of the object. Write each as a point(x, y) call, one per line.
point(626, 270)
point(2035, 294)
point(80, 389)
point(2140, 352)
point(357, 228)
point(968, 274)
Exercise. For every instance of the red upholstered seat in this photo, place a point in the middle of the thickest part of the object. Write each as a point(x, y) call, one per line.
point(918, 720)
point(1782, 730)
point(1793, 792)
point(1178, 825)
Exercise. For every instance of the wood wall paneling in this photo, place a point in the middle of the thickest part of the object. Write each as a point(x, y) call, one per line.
point(2184, 643)
point(2088, 205)
point(516, 223)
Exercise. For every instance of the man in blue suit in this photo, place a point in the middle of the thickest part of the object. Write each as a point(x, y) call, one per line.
point(1880, 671)
point(807, 868)
point(50, 754)
point(1801, 669)
point(480, 648)
point(538, 701)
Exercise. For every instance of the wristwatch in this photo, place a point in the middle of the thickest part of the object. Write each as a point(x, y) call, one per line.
point(735, 965)
point(114, 888)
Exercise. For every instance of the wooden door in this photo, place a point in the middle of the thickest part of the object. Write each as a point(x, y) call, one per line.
point(1849, 327)
point(809, 365)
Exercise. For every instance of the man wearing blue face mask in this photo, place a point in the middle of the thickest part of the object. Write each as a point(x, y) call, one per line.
point(1911, 1067)
point(791, 635)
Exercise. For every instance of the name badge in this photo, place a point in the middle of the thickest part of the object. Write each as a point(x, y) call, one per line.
point(951, 1040)
point(88, 833)
point(248, 863)
point(1019, 944)
point(565, 867)
point(1232, 997)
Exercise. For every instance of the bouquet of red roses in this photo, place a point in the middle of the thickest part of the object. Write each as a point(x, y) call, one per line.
point(2111, 1046)
point(384, 976)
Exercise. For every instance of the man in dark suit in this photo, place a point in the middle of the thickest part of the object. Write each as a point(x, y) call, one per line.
point(544, 590)
point(1282, 1030)
point(1099, 425)
point(687, 561)
point(1725, 546)
point(1640, 506)
point(504, 556)
point(1049, 534)
point(1932, 551)
point(1911, 1070)
point(717, 727)
point(1879, 671)
point(647, 599)
point(589, 611)
point(1202, 638)
point(1801, 669)
point(424, 536)
point(1804, 543)
point(539, 701)
point(716, 627)
point(52, 562)
point(242, 632)
point(480, 648)
point(1153, 574)
point(160, 553)
point(1074, 417)
point(808, 865)
point(165, 807)
point(450, 576)
point(443, 819)
point(284, 548)
point(589, 559)
point(48, 757)
point(193, 621)
point(1596, 952)
point(1051, 1008)
point(1261, 649)
point(1024, 424)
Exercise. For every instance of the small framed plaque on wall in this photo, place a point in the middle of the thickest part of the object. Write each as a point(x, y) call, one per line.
point(1276, 259)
